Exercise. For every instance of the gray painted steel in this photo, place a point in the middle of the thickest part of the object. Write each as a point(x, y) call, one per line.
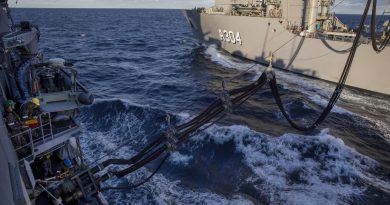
point(8, 160)
point(261, 35)
point(62, 98)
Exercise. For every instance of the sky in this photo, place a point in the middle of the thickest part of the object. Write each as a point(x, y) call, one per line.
point(347, 6)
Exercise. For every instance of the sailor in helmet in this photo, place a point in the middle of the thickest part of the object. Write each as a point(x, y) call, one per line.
point(12, 119)
point(14, 125)
point(30, 110)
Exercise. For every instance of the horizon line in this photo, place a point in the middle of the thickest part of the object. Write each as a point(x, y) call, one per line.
point(155, 8)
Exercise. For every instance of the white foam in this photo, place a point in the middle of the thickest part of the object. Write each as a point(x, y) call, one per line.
point(228, 61)
point(272, 160)
point(330, 171)
point(124, 127)
point(318, 91)
point(324, 102)
point(99, 145)
point(160, 190)
point(180, 159)
point(183, 116)
point(125, 101)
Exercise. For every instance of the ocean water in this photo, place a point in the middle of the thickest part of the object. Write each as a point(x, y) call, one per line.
point(144, 64)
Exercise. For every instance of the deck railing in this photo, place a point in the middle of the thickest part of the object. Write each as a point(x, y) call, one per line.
point(34, 137)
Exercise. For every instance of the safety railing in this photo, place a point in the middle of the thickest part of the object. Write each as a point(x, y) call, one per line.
point(27, 140)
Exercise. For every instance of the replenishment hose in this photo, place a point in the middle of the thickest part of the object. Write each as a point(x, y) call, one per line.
point(229, 101)
point(339, 88)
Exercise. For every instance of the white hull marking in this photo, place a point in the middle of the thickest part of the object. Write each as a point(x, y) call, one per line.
point(229, 37)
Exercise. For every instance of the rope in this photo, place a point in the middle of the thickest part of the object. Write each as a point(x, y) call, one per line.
point(337, 4)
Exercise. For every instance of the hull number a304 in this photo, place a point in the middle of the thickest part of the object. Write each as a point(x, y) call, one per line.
point(230, 37)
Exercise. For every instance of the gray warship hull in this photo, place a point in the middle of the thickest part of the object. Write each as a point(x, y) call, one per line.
point(40, 151)
point(255, 37)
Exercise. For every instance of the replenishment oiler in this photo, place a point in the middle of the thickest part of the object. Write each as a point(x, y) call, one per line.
point(303, 36)
point(41, 160)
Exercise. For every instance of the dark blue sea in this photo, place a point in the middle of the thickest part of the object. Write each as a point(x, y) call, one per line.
point(144, 64)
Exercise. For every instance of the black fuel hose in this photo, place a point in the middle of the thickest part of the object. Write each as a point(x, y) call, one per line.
point(339, 88)
point(378, 48)
point(162, 145)
point(159, 146)
point(139, 183)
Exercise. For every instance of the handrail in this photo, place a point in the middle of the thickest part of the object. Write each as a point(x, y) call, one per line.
point(43, 137)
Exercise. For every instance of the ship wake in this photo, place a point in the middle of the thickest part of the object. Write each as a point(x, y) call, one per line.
point(230, 164)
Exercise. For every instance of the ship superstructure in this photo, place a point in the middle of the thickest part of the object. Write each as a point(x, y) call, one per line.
point(306, 37)
point(41, 159)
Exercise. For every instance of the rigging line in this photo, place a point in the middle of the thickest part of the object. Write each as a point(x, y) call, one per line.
point(141, 182)
point(298, 35)
point(256, 63)
point(333, 7)
point(377, 48)
point(150, 155)
point(295, 53)
point(339, 88)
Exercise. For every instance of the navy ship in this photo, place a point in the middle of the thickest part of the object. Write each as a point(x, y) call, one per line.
point(41, 159)
point(304, 37)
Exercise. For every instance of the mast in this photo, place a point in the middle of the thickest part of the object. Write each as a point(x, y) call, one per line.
point(325, 4)
point(313, 12)
point(4, 17)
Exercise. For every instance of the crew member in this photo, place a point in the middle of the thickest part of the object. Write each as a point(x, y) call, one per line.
point(12, 119)
point(31, 110)
point(14, 125)
point(47, 168)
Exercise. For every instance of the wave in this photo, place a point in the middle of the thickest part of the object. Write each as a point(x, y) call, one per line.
point(215, 55)
point(160, 190)
point(319, 92)
point(287, 169)
point(296, 169)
